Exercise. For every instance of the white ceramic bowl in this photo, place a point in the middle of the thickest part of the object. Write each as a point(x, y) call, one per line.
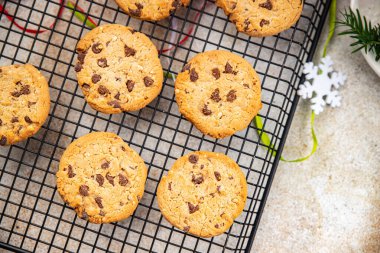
point(364, 5)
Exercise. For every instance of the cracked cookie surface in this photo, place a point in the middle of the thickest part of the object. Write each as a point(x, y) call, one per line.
point(24, 102)
point(118, 69)
point(203, 193)
point(101, 177)
point(219, 92)
point(151, 10)
point(262, 17)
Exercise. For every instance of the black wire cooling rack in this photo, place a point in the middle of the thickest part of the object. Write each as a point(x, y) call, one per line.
point(34, 218)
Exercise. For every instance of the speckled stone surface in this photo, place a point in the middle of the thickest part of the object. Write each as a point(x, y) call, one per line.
point(330, 203)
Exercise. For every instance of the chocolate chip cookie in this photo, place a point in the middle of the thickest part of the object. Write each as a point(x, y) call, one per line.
point(118, 69)
point(151, 10)
point(203, 193)
point(219, 92)
point(262, 17)
point(101, 177)
point(24, 102)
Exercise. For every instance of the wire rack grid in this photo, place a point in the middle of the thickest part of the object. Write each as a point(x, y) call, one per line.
point(33, 217)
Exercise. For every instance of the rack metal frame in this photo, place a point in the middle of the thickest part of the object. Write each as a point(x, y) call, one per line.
point(33, 217)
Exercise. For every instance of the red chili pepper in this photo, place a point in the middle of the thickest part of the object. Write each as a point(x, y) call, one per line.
point(23, 28)
point(190, 31)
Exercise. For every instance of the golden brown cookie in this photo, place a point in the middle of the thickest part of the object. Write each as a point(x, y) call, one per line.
point(118, 69)
point(219, 92)
point(262, 17)
point(24, 102)
point(101, 177)
point(203, 193)
point(151, 10)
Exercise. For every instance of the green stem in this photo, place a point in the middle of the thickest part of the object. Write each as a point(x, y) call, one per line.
point(80, 15)
point(259, 123)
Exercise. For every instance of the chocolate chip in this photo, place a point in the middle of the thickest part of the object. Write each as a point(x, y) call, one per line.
point(130, 84)
point(228, 69)
point(267, 5)
point(123, 148)
point(148, 81)
point(215, 95)
point(96, 78)
point(97, 48)
point(193, 75)
point(186, 67)
point(100, 179)
point(217, 175)
point(78, 67)
point(197, 180)
point(186, 228)
point(81, 56)
point(14, 119)
point(3, 140)
point(135, 12)
point(98, 201)
point(70, 172)
point(206, 111)
point(193, 159)
point(129, 51)
point(264, 22)
point(230, 177)
point(1, 122)
point(84, 215)
point(216, 73)
point(105, 165)
point(216, 225)
point(117, 96)
point(176, 3)
point(246, 85)
point(102, 213)
point(23, 91)
point(192, 208)
point(83, 190)
point(102, 90)
point(138, 198)
point(85, 86)
point(231, 96)
point(31, 103)
point(246, 24)
point(170, 186)
point(114, 104)
point(110, 179)
point(102, 62)
point(218, 188)
point(123, 180)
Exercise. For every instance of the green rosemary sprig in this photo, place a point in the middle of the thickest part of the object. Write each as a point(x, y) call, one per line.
point(366, 36)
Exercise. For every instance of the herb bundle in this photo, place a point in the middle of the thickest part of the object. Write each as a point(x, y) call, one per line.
point(366, 36)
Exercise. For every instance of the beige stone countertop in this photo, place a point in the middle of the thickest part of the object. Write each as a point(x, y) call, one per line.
point(331, 202)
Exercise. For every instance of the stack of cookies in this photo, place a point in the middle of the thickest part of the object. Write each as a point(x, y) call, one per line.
point(119, 70)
